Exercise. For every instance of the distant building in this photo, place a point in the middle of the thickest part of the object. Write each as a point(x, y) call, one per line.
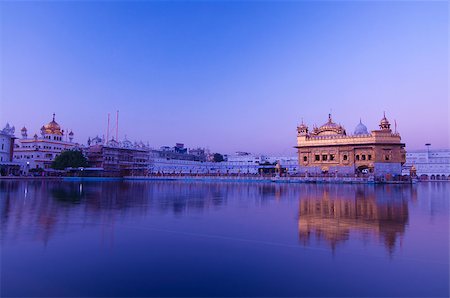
point(239, 163)
point(179, 152)
point(40, 151)
point(7, 166)
point(118, 158)
point(328, 149)
point(429, 164)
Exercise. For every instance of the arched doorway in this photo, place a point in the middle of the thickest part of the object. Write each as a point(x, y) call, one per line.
point(364, 170)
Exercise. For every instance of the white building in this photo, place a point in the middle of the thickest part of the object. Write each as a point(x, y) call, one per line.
point(6, 143)
point(429, 164)
point(239, 163)
point(40, 151)
point(7, 166)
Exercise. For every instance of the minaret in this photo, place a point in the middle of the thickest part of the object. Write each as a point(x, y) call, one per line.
point(24, 133)
point(302, 129)
point(384, 123)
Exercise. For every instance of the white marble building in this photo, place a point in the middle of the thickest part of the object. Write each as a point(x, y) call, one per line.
point(429, 164)
point(6, 143)
point(239, 163)
point(40, 151)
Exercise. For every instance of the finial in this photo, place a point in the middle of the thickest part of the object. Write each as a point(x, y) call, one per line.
point(360, 122)
point(384, 114)
point(53, 116)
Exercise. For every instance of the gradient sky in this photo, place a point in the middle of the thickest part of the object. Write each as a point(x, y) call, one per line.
point(226, 75)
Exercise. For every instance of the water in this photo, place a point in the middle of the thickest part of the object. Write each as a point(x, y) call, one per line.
point(223, 239)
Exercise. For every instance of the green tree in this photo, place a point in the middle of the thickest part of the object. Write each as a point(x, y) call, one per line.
point(69, 159)
point(218, 157)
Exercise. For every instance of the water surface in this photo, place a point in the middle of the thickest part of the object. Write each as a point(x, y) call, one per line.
point(223, 239)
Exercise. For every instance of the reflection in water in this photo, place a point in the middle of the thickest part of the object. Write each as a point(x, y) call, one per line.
point(333, 215)
point(330, 213)
point(47, 207)
point(140, 239)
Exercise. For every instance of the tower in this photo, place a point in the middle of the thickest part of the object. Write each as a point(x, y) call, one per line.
point(384, 123)
point(24, 133)
point(302, 129)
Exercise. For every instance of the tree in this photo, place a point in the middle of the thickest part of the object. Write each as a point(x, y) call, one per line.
point(218, 157)
point(69, 159)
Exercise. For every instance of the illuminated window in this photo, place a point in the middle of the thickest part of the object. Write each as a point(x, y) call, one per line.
point(331, 156)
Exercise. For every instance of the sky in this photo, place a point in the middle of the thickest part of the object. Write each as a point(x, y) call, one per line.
point(229, 76)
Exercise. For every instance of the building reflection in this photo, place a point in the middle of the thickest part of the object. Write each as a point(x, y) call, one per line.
point(331, 214)
point(334, 214)
point(42, 209)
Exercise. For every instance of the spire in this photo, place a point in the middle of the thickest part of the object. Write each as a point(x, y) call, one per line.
point(53, 116)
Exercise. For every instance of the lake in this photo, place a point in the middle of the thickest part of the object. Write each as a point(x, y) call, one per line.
point(174, 238)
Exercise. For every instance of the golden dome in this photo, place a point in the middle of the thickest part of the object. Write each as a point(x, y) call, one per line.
point(330, 128)
point(52, 127)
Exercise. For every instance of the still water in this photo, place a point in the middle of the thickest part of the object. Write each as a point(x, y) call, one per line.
point(223, 239)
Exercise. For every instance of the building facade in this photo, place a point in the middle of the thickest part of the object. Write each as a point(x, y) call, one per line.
point(429, 164)
point(7, 166)
point(118, 158)
point(40, 151)
point(329, 150)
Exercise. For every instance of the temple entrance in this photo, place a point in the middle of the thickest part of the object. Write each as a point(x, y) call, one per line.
point(363, 169)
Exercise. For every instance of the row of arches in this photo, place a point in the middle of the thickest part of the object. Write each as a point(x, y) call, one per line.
point(434, 177)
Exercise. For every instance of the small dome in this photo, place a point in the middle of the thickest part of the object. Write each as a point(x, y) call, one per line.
point(23, 129)
point(302, 128)
point(71, 133)
point(361, 129)
point(384, 123)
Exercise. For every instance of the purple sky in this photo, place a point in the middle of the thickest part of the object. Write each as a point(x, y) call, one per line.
point(229, 75)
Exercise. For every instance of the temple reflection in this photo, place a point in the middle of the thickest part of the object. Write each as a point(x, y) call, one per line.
point(333, 215)
point(330, 214)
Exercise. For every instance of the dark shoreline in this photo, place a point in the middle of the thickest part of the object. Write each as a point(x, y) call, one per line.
point(296, 180)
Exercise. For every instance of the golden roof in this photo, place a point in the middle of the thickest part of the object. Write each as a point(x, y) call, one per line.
point(52, 127)
point(329, 128)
